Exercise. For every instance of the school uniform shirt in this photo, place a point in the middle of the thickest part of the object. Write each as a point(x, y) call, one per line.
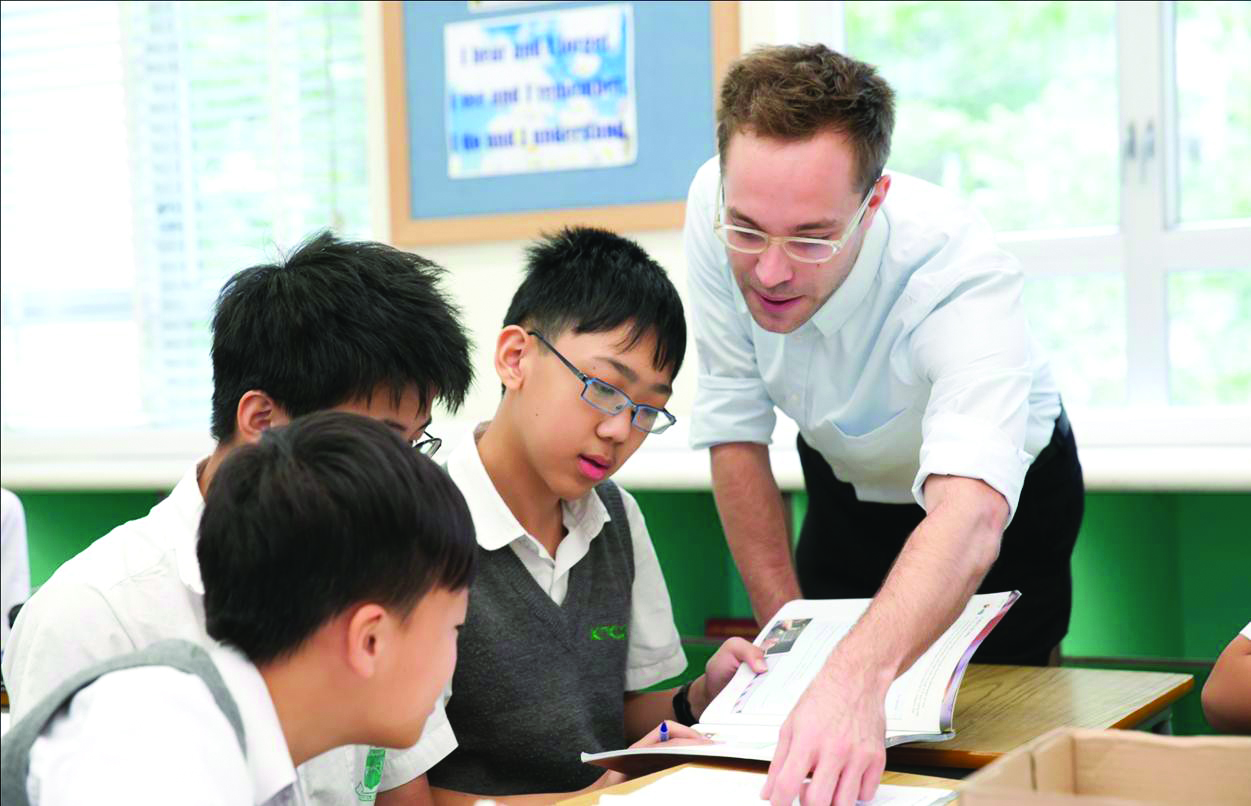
point(920, 363)
point(141, 584)
point(14, 559)
point(654, 650)
point(154, 734)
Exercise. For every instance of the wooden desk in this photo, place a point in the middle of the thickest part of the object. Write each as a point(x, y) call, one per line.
point(1002, 707)
point(896, 778)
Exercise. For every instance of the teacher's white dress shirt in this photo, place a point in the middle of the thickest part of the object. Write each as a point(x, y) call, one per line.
point(921, 363)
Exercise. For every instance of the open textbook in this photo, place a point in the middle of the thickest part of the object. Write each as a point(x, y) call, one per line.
point(744, 719)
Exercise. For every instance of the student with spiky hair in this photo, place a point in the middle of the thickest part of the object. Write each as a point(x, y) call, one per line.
point(569, 620)
point(353, 326)
point(336, 563)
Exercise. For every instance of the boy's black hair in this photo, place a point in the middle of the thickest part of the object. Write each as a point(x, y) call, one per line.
point(331, 511)
point(331, 323)
point(589, 280)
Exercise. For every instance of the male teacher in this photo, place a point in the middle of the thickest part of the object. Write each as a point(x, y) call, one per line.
point(876, 311)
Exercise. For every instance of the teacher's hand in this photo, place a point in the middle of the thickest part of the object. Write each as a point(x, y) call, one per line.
point(837, 734)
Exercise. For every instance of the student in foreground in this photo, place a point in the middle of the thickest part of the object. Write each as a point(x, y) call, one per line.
point(336, 563)
point(1227, 694)
point(342, 325)
point(569, 619)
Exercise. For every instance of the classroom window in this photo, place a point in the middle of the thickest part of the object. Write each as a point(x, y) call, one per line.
point(1011, 104)
point(1213, 41)
point(151, 150)
point(1110, 146)
point(1209, 332)
point(1089, 335)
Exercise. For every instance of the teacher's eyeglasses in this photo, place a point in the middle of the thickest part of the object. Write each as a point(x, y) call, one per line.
point(805, 250)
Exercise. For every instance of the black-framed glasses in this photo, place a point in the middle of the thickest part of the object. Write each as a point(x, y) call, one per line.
point(611, 400)
point(428, 446)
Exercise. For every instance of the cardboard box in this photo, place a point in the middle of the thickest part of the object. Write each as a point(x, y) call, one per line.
point(1074, 767)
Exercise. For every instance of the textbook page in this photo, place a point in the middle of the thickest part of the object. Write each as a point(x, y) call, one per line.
point(801, 636)
point(744, 719)
point(733, 787)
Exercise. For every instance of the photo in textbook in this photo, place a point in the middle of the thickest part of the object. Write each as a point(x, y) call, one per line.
point(783, 634)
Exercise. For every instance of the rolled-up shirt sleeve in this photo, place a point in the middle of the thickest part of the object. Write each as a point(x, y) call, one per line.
point(973, 347)
point(731, 401)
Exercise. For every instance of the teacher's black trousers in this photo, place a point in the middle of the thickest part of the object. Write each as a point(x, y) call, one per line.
point(847, 546)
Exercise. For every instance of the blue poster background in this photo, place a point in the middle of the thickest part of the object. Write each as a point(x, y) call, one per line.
point(673, 75)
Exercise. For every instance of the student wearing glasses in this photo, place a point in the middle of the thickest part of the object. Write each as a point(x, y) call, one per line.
point(352, 326)
point(877, 312)
point(569, 619)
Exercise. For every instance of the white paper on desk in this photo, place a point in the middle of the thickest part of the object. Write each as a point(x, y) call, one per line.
point(733, 787)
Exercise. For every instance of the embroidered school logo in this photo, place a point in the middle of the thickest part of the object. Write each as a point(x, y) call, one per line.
point(605, 632)
point(367, 789)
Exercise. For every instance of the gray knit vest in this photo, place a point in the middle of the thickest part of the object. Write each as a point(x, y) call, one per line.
point(536, 684)
point(181, 655)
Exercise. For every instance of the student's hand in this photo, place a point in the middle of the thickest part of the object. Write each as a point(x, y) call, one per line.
point(720, 670)
point(678, 735)
point(836, 733)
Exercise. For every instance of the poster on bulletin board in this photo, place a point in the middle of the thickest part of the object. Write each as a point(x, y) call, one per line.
point(506, 119)
point(547, 91)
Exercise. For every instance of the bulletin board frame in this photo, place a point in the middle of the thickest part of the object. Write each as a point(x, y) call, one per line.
point(407, 230)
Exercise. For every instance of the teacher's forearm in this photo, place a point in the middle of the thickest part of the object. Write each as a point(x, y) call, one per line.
point(941, 566)
point(754, 520)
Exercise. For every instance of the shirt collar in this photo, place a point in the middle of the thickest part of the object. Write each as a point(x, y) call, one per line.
point(269, 758)
point(493, 522)
point(187, 504)
point(847, 298)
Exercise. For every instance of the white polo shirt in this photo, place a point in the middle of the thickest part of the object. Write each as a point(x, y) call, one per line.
point(140, 584)
point(655, 650)
point(155, 735)
point(921, 363)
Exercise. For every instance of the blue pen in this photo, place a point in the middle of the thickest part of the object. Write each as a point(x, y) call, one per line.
point(664, 731)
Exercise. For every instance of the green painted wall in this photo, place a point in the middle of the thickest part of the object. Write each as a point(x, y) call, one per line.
point(1214, 553)
point(61, 524)
point(1160, 576)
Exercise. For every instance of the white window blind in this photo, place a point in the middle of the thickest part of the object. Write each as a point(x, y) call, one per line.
point(151, 150)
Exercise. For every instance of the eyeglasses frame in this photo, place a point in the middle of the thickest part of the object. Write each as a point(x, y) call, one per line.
point(586, 384)
point(433, 442)
point(837, 246)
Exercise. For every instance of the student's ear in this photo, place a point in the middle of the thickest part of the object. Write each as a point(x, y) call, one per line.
point(256, 412)
point(365, 639)
point(510, 348)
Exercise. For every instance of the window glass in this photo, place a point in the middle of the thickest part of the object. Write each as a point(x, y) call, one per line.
point(1213, 59)
point(152, 150)
point(1079, 321)
point(1209, 339)
point(1012, 104)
